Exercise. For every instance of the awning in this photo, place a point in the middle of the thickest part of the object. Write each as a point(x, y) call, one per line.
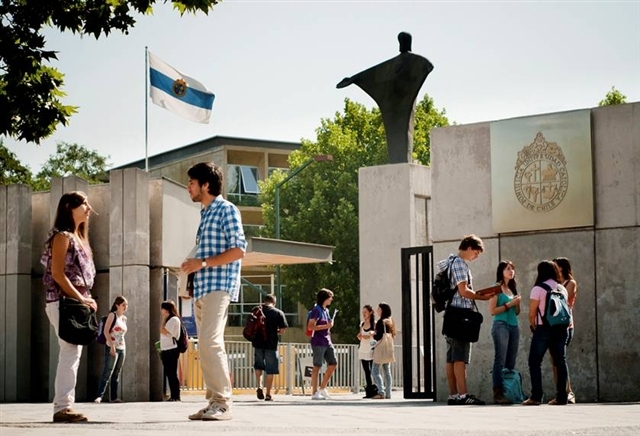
point(265, 252)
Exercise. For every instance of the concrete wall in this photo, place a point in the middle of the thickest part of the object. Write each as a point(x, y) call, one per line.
point(605, 258)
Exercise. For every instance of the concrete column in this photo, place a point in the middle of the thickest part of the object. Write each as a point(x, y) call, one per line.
point(392, 215)
point(129, 274)
point(15, 295)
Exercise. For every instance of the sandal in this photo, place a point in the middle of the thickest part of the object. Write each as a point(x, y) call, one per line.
point(378, 397)
point(268, 398)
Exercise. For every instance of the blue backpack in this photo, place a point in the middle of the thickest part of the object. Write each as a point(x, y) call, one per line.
point(557, 311)
point(512, 385)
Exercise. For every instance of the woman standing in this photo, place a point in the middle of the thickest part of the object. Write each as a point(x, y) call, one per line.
point(69, 271)
point(566, 276)
point(115, 327)
point(505, 308)
point(169, 334)
point(553, 338)
point(384, 325)
point(365, 352)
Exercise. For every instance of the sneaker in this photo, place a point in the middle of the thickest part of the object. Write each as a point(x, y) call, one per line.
point(98, 400)
point(173, 400)
point(325, 394)
point(556, 402)
point(117, 400)
point(452, 401)
point(217, 413)
point(198, 415)
point(317, 396)
point(260, 394)
point(470, 400)
point(68, 415)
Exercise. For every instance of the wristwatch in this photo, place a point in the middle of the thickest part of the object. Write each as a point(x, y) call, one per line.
point(204, 263)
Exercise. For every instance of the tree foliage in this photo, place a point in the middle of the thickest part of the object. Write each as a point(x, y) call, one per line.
point(320, 204)
point(613, 97)
point(30, 91)
point(11, 170)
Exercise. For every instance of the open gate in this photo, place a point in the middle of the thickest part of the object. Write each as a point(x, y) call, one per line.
point(418, 327)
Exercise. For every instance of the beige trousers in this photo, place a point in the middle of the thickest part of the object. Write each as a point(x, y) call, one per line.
point(211, 318)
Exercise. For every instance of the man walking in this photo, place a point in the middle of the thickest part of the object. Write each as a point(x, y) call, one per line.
point(220, 246)
point(458, 351)
point(320, 324)
point(265, 351)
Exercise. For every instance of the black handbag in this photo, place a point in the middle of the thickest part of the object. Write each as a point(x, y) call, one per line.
point(78, 323)
point(462, 324)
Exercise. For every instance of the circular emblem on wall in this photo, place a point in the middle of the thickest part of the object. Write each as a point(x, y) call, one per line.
point(179, 88)
point(541, 180)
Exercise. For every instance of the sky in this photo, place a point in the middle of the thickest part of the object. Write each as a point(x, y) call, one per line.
point(274, 66)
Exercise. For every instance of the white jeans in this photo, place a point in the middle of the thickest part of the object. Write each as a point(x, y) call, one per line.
point(68, 363)
point(211, 318)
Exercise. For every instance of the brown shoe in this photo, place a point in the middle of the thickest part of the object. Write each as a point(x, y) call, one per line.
point(68, 415)
point(530, 402)
point(499, 398)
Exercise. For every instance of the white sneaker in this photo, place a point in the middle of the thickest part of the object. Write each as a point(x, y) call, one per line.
point(217, 413)
point(317, 396)
point(98, 400)
point(198, 415)
point(325, 394)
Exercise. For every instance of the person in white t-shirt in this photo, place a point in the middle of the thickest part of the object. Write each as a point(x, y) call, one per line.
point(169, 334)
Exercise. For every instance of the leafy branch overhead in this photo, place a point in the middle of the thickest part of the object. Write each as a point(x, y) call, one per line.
point(30, 89)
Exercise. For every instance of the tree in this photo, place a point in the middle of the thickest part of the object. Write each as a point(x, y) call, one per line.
point(613, 97)
point(11, 170)
point(30, 91)
point(320, 204)
point(72, 159)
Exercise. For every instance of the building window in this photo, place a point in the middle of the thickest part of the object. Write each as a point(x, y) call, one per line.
point(242, 185)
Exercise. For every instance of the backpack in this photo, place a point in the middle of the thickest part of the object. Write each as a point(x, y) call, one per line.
point(441, 291)
point(183, 340)
point(255, 328)
point(512, 385)
point(101, 339)
point(557, 311)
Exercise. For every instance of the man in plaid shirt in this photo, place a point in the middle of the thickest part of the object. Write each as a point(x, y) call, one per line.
point(459, 352)
point(220, 246)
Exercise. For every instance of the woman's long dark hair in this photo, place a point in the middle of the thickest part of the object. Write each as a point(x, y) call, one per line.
point(547, 270)
point(117, 302)
point(385, 317)
point(565, 267)
point(369, 309)
point(64, 215)
point(170, 307)
point(500, 275)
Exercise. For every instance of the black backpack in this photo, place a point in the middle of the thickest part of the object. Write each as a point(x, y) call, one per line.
point(182, 342)
point(255, 328)
point(441, 291)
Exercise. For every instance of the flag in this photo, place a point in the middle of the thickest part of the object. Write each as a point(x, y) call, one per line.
point(179, 93)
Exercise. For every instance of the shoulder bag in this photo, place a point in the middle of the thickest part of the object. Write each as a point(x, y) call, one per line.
point(383, 351)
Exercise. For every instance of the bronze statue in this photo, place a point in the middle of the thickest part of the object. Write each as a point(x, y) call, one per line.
point(394, 85)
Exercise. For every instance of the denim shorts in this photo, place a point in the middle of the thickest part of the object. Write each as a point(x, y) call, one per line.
point(458, 351)
point(323, 353)
point(266, 360)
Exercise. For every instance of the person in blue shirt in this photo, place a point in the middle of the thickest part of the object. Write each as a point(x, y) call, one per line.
point(220, 246)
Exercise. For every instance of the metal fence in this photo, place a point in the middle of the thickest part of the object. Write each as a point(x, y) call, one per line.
point(295, 358)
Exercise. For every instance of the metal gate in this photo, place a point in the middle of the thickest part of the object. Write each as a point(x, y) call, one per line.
point(418, 327)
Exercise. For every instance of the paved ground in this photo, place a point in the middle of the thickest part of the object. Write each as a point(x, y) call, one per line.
point(344, 415)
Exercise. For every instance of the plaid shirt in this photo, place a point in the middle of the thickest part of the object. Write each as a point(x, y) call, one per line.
point(220, 230)
point(459, 272)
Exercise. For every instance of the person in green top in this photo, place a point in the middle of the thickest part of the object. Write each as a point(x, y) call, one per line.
point(504, 308)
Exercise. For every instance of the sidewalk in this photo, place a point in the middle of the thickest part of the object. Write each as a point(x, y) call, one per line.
point(344, 415)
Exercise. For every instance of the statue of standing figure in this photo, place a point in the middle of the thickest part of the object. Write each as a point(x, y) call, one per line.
point(394, 85)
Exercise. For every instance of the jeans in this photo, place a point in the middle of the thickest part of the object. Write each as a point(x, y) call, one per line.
point(68, 363)
point(505, 340)
point(383, 388)
point(170, 365)
point(211, 318)
point(554, 339)
point(112, 368)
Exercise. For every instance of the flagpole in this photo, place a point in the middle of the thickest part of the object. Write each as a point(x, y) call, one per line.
point(146, 108)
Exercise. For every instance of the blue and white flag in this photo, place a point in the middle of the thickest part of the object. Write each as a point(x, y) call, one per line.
point(179, 93)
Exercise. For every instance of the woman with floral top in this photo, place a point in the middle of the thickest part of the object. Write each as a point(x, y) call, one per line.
point(69, 271)
point(115, 327)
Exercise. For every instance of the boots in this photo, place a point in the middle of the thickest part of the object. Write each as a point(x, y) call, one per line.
point(499, 398)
